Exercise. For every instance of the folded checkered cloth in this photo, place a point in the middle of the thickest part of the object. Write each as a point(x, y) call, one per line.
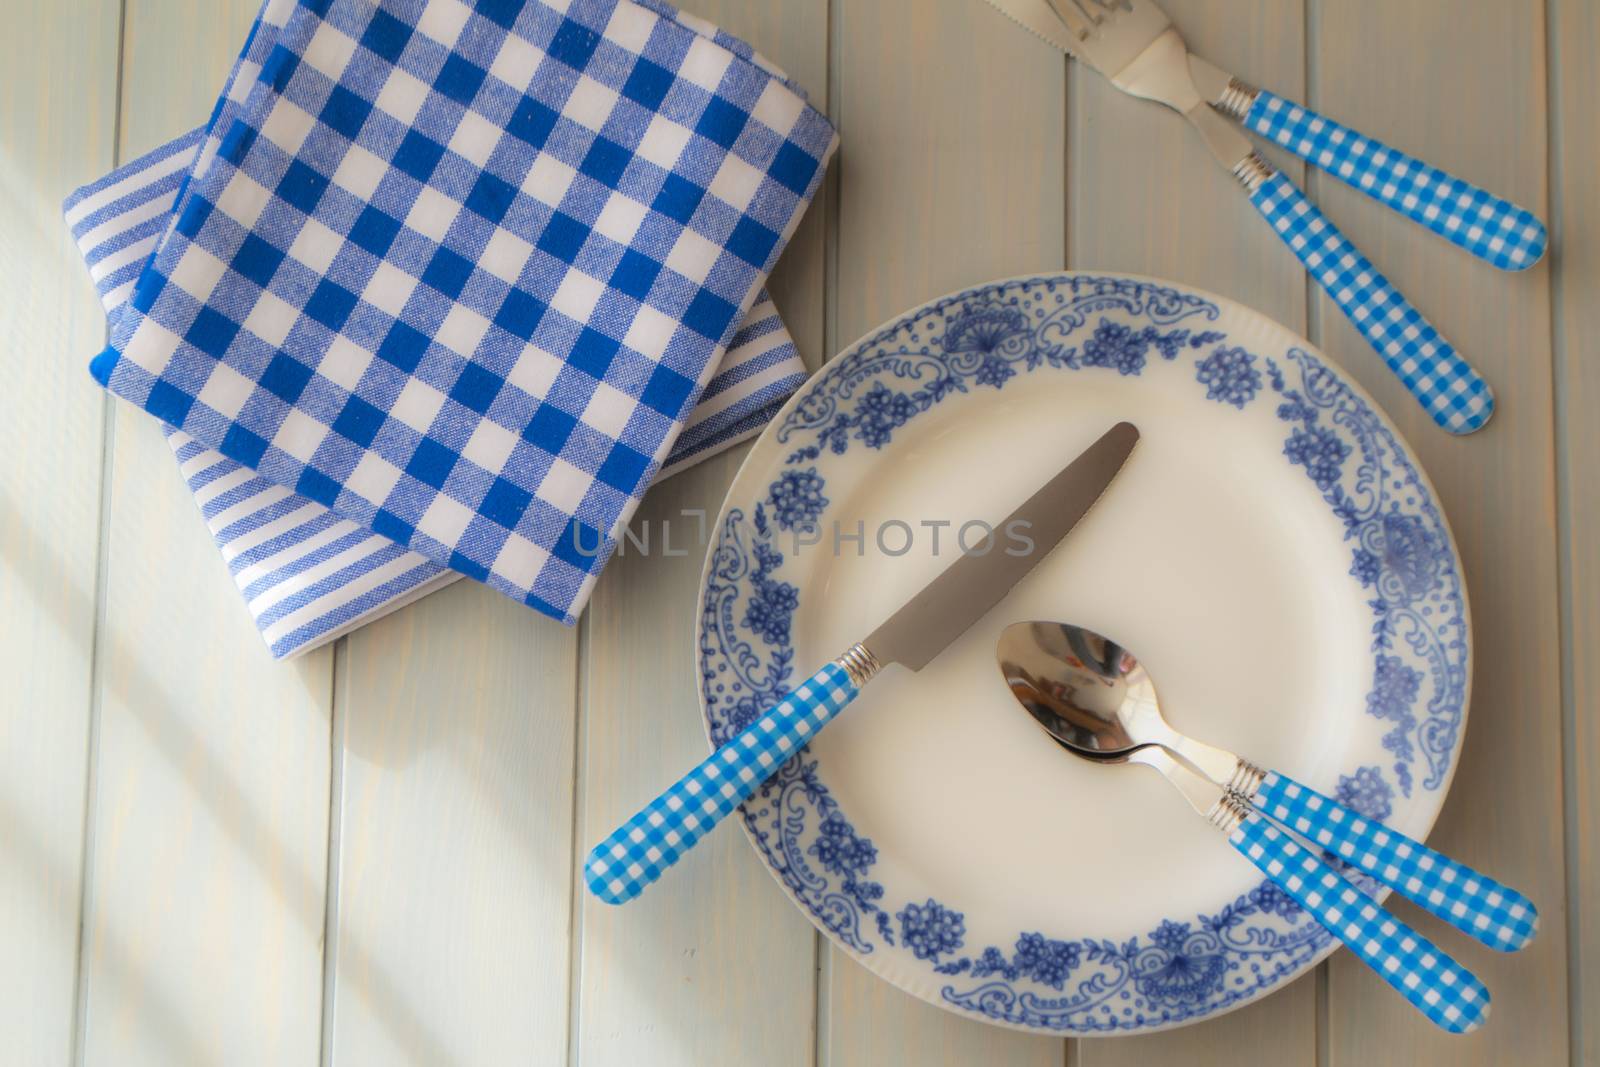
point(461, 274)
point(307, 575)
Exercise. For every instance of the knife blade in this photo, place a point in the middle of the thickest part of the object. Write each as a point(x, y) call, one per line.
point(641, 849)
point(944, 609)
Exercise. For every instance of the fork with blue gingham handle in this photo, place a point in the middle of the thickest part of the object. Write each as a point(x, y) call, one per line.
point(1133, 43)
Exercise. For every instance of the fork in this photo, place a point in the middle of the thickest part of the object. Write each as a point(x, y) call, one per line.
point(1135, 45)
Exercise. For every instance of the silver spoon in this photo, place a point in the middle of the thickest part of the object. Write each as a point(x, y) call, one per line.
point(1097, 701)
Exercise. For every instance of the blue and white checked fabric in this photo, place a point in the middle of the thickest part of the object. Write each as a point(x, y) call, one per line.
point(460, 273)
point(1443, 990)
point(1454, 394)
point(307, 575)
point(1492, 228)
point(1497, 915)
point(641, 849)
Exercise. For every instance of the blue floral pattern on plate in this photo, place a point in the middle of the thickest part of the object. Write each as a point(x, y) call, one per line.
point(1184, 968)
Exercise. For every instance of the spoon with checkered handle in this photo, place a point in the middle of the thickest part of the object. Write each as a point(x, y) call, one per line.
point(1451, 996)
point(1095, 698)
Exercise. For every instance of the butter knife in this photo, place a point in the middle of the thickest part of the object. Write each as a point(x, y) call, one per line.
point(641, 849)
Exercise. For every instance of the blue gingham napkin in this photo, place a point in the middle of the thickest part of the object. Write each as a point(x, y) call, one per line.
point(460, 274)
point(307, 575)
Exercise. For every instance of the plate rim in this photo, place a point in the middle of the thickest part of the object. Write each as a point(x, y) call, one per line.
point(764, 442)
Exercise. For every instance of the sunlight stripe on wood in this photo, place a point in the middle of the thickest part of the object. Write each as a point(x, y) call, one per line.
point(58, 97)
point(203, 928)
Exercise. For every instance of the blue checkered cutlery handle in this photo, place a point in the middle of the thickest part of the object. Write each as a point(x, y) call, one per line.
point(1439, 987)
point(1446, 386)
point(1491, 228)
point(1473, 903)
point(641, 849)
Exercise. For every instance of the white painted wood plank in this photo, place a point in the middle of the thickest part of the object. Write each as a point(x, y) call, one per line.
point(204, 921)
point(1147, 197)
point(1463, 85)
point(1575, 220)
point(449, 941)
point(951, 174)
point(58, 91)
point(712, 965)
point(952, 164)
point(1278, 1029)
point(866, 1022)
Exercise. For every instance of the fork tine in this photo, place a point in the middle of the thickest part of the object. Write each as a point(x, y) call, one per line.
point(1073, 17)
point(1106, 34)
point(1088, 10)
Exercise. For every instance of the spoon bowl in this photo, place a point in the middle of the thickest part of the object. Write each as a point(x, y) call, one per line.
point(1094, 696)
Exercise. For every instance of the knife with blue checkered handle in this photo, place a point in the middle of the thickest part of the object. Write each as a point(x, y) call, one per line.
point(1473, 903)
point(640, 850)
point(1134, 44)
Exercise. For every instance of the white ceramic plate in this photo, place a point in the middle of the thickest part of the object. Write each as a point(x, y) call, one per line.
point(1271, 551)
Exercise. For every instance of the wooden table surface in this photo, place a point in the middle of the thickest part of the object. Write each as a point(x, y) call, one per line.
point(368, 856)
